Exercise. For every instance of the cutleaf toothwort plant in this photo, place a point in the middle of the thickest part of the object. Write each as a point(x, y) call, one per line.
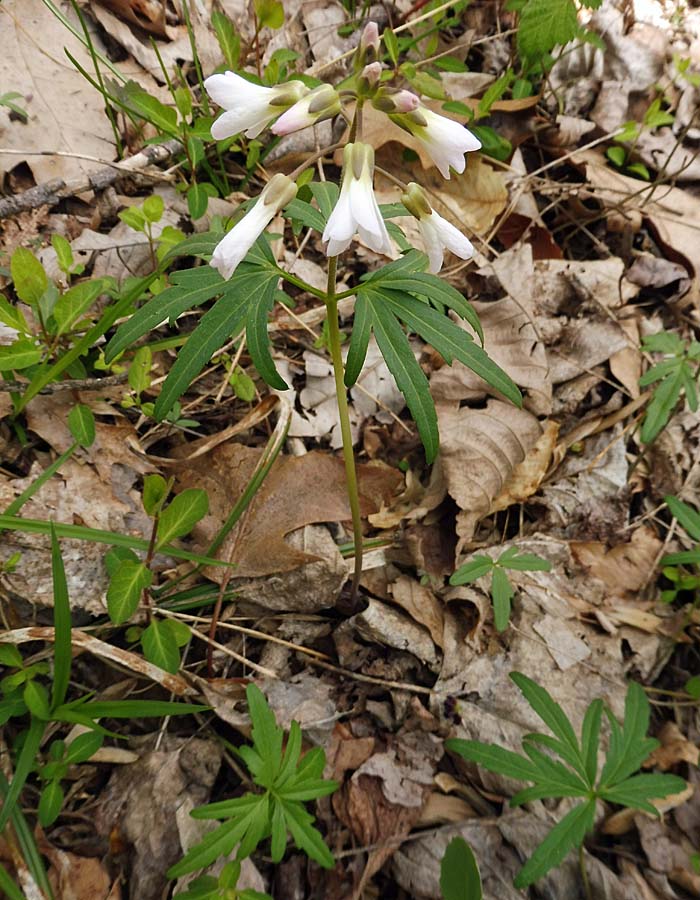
point(404, 294)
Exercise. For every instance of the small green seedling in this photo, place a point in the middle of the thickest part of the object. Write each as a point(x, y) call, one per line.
point(225, 887)
point(287, 780)
point(577, 775)
point(677, 372)
point(501, 589)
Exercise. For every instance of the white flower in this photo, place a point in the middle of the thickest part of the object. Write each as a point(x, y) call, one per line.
point(445, 140)
point(357, 209)
point(321, 103)
point(232, 249)
point(249, 107)
point(438, 234)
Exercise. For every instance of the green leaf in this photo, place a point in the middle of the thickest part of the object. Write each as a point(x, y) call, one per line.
point(688, 517)
point(492, 143)
point(494, 759)
point(164, 118)
point(359, 341)
point(305, 836)
point(391, 43)
point(182, 514)
point(526, 562)
point(326, 194)
point(189, 288)
point(257, 338)
point(309, 216)
point(217, 325)
point(450, 341)
point(37, 700)
point(409, 376)
point(50, 803)
point(155, 493)
point(661, 405)
point(81, 424)
point(459, 872)
point(62, 654)
point(134, 217)
point(547, 709)
point(140, 370)
point(545, 24)
point(590, 735)
point(633, 748)
point(83, 747)
point(20, 355)
point(131, 709)
point(10, 656)
point(565, 835)
point(501, 594)
point(217, 844)
point(160, 646)
point(266, 734)
point(197, 200)
point(228, 38)
point(125, 589)
point(270, 13)
point(28, 275)
point(617, 155)
point(476, 568)
point(494, 92)
point(637, 791)
point(12, 316)
point(153, 207)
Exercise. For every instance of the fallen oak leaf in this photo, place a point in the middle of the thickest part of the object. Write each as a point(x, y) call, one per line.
point(299, 491)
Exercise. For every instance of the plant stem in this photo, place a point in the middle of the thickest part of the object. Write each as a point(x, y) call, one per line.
point(342, 400)
point(584, 873)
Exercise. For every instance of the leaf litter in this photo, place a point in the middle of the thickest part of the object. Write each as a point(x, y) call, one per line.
point(576, 263)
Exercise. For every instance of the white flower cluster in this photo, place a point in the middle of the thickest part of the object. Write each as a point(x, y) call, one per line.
point(289, 107)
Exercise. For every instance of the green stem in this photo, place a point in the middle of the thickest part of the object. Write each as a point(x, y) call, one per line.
point(584, 873)
point(48, 472)
point(342, 400)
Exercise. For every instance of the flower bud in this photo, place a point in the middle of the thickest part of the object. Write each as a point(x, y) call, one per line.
point(368, 48)
point(370, 76)
point(392, 102)
point(321, 103)
point(438, 234)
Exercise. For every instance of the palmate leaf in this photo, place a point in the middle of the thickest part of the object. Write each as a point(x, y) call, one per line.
point(410, 378)
point(189, 288)
point(565, 835)
point(494, 759)
point(547, 709)
point(637, 791)
point(359, 341)
point(501, 594)
point(225, 319)
point(663, 402)
point(267, 736)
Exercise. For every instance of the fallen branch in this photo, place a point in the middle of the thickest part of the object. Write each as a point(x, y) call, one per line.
point(51, 192)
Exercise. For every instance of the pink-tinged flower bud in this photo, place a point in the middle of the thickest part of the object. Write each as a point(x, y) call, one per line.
point(392, 102)
point(372, 73)
point(368, 48)
point(357, 210)
point(248, 107)
point(438, 234)
point(232, 249)
point(445, 140)
point(321, 103)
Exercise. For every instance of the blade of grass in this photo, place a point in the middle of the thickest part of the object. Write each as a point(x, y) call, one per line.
point(25, 761)
point(48, 473)
point(27, 844)
point(81, 533)
point(8, 887)
point(62, 625)
point(74, 31)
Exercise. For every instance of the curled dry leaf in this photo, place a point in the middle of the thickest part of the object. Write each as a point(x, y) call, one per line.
point(421, 604)
point(75, 877)
point(479, 450)
point(624, 568)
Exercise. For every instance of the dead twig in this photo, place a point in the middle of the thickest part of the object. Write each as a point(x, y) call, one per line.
point(51, 192)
